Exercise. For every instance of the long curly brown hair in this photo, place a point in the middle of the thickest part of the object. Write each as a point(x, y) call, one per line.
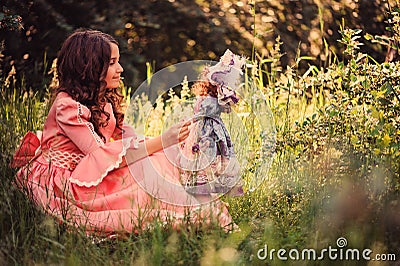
point(82, 66)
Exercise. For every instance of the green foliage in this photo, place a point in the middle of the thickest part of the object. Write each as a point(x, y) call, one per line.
point(9, 21)
point(168, 32)
point(393, 27)
point(335, 172)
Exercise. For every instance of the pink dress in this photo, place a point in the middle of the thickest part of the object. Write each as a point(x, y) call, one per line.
point(78, 178)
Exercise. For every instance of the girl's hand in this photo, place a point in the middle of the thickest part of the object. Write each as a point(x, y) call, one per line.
point(175, 134)
point(171, 136)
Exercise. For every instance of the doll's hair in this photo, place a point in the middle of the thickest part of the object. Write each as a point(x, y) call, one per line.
point(82, 66)
point(204, 88)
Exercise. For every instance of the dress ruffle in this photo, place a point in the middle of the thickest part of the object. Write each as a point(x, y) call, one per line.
point(49, 188)
point(96, 165)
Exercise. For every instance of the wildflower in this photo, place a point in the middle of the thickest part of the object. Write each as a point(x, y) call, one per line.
point(11, 76)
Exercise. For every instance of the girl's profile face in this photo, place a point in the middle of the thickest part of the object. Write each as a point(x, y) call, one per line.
point(114, 71)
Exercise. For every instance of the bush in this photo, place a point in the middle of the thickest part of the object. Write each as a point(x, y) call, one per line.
point(335, 173)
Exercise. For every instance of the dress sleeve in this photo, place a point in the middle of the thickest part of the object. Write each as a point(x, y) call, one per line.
point(100, 158)
point(127, 131)
point(73, 120)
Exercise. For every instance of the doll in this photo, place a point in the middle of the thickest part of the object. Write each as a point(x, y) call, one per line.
point(208, 162)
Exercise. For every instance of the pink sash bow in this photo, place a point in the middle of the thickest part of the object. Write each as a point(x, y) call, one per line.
point(27, 150)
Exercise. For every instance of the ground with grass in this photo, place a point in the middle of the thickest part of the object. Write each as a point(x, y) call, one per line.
point(334, 176)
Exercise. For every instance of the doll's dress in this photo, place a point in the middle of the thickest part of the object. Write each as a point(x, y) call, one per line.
point(77, 176)
point(207, 159)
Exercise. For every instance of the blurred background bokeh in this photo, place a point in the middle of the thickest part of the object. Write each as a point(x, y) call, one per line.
point(164, 32)
point(327, 74)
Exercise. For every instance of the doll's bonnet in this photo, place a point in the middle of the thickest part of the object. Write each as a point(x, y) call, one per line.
point(226, 76)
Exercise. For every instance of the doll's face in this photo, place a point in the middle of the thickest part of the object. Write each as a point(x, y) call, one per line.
point(114, 71)
point(200, 88)
point(204, 88)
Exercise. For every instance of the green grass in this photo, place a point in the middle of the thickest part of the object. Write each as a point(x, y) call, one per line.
point(331, 176)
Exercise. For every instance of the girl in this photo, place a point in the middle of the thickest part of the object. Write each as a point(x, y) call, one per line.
point(208, 162)
point(87, 167)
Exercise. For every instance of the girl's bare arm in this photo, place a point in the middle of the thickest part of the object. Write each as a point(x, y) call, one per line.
point(173, 135)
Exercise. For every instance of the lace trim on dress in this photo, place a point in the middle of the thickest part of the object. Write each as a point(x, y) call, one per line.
point(126, 143)
point(66, 160)
point(89, 125)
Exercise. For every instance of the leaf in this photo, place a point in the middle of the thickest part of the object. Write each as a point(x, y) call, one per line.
point(374, 132)
point(375, 113)
point(354, 139)
point(368, 37)
point(377, 151)
point(386, 140)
